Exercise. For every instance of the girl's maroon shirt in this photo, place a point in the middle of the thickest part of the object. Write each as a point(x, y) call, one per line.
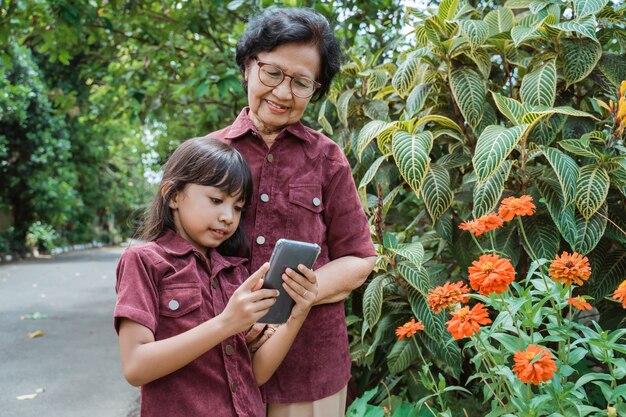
point(303, 190)
point(169, 287)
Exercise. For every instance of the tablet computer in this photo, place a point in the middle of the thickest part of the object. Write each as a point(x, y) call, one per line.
point(287, 254)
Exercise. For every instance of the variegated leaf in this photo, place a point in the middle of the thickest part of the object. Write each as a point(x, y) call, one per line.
point(369, 132)
point(578, 147)
point(493, 147)
point(509, 107)
point(411, 155)
point(500, 20)
point(579, 56)
point(613, 273)
point(371, 171)
point(416, 277)
point(376, 80)
point(373, 300)
point(562, 216)
point(566, 171)
point(415, 101)
point(537, 112)
point(584, 8)
point(508, 242)
point(407, 74)
point(521, 34)
point(482, 59)
point(376, 110)
point(469, 90)
point(436, 191)
point(454, 160)
point(413, 252)
point(447, 9)
point(613, 66)
point(342, 106)
point(585, 26)
point(476, 31)
point(402, 355)
point(322, 120)
point(518, 4)
point(539, 86)
point(592, 188)
point(589, 232)
point(488, 193)
point(420, 309)
point(543, 236)
point(441, 120)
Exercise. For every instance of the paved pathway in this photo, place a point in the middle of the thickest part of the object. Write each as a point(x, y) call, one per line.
point(74, 367)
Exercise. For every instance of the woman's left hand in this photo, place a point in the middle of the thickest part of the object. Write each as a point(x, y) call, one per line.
point(301, 285)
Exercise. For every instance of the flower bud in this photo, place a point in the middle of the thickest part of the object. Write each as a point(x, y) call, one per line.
point(611, 411)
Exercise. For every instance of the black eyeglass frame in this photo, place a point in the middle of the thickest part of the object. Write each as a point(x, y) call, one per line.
point(261, 64)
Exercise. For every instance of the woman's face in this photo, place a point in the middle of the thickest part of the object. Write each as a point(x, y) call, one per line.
point(272, 108)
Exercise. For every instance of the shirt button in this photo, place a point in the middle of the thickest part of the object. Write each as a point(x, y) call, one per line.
point(233, 386)
point(316, 202)
point(173, 305)
point(265, 198)
point(270, 158)
point(260, 240)
point(214, 284)
point(229, 350)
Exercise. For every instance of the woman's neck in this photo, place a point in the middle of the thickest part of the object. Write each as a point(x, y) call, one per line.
point(268, 134)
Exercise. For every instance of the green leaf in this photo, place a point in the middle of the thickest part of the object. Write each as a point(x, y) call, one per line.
point(613, 66)
point(563, 216)
point(589, 232)
point(376, 80)
point(488, 193)
point(402, 355)
point(578, 147)
point(416, 277)
point(447, 9)
point(613, 273)
point(414, 252)
point(476, 31)
point(509, 107)
point(342, 106)
point(566, 171)
point(493, 147)
point(584, 8)
point(371, 171)
point(579, 57)
point(442, 120)
point(592, 376)
point(521, 34)
point(469, 90)
point(592, 188)
point(369, 132)
point(543, 236)
point(376, 110)
point(407, 74)
point(322, 120)
point(373, 301)
point(436, 191)
point(415, 101)
point(585, 26)
point(539, 86)
point(411, 155)
point(500, 20)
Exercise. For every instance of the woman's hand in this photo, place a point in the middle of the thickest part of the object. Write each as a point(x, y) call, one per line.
point(249, 302)
point(302, 287)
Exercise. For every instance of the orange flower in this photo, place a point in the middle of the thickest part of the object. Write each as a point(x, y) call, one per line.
point(491, 274)
point(466, 322)
point(513, 206)
point(620, 293)
point(529, 368)
point(473, 226)
point(447, 295)
point(579, 303)
point(408, 329)
point(570, 268)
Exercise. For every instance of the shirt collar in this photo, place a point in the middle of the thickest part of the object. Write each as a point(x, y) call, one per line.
point(243, 124)
point(175, 245)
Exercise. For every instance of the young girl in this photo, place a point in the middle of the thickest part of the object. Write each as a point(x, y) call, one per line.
point(183, 299)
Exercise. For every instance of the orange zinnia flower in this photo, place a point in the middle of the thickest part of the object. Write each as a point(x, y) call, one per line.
point(466, 322)
point(483, 224)
point(513, 206)
point(473, 226)
point(447, 295)
point(529, 368)
point(408, 329)
point(491, 274)
point(579, 303)
point(620, 293)
point(570, 268)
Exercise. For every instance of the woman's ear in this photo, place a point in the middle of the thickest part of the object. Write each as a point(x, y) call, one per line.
point(165, 189)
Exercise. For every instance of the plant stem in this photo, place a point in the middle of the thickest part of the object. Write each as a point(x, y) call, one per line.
point(435, 385)
point(506, 307)
point(477, 244)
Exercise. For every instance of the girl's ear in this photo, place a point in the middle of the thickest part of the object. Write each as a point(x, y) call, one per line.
point(173, 203)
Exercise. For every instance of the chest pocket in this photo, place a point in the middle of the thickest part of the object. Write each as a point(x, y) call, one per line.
point(179, 309)
point(306, 207)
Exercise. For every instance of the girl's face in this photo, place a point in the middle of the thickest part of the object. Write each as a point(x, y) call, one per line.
point(205, 216)
point(272, 108)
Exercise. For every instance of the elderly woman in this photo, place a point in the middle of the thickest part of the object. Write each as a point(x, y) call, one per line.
point(303, 190)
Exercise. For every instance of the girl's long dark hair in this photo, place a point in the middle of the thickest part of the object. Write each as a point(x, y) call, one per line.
point(202, 161)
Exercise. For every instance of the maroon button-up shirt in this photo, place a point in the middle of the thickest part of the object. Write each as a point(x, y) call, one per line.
point(303, 190)
point(169, 287)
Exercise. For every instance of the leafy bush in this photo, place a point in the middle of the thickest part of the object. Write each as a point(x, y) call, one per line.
point(481, 105)
point(41, 236)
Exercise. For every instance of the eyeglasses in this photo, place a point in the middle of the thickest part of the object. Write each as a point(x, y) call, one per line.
point(273, 76)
